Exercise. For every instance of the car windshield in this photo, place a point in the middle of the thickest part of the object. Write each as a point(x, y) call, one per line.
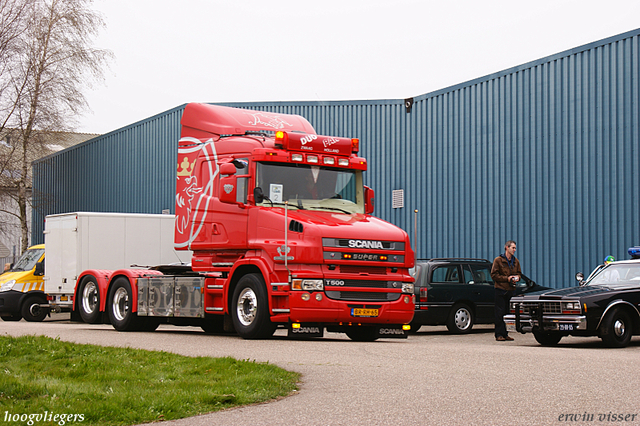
point(28, 260)
point(311, 187)
point(617, 275)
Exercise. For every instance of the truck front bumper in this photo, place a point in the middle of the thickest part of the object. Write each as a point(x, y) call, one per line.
point(561, 323)
point(315, 307)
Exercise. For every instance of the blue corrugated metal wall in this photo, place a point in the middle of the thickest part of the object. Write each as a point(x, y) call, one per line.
point(545, 153)
point(129, 170)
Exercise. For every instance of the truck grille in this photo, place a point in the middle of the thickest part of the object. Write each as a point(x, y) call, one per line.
point(359, 269)
point(547, 307)
point(336, 292)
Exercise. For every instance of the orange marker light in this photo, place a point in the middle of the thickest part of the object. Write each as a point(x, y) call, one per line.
point(355, 145)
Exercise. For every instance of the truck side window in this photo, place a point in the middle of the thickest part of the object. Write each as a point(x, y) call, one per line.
point(243, 181)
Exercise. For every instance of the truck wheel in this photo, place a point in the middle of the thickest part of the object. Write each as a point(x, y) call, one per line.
point(460, 319)
point(120, 304)
point(546, 338)
point(250, 308)
point(362, 333)
point(616, 329)
point(31, 310)
point(89, 303)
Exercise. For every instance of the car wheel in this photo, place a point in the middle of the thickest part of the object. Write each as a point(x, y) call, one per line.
point(31, 310)
point(547, 338)
point(460, 319)
point(362, 333)
point(89, 303)
point(11, 317)
point(250, 308)
point(616, 329)
point(120, 303)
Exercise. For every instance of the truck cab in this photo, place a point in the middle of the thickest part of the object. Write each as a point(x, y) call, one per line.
point(279, 218)
point(22, 288)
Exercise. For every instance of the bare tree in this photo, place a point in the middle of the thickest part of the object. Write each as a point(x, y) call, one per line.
point(47, 63)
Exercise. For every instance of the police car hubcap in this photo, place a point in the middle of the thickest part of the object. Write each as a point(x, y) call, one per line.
point(618, 328)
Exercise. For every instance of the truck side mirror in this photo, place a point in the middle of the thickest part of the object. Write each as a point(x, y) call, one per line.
point(39, 269)
point(229, 188)
point(258, 195)
point(369, 196)
point(227, 169)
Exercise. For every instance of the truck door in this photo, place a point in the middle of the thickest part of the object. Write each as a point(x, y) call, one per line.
point(228, 224)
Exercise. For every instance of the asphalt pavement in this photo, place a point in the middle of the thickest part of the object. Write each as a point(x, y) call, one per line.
point(431, 378)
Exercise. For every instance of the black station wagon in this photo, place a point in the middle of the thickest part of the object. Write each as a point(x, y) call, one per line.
point(457, 293)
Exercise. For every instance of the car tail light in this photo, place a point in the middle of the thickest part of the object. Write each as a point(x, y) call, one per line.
point(423, 297)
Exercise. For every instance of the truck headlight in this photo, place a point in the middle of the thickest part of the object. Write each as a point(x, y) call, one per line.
point(307, 285)
point(8, 285)
point(407, 288)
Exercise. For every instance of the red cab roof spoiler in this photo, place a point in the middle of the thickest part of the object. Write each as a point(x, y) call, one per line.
point(222, 120)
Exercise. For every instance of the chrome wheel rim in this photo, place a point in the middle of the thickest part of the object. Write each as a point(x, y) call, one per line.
point(89, 297)
point(619, 328)
point(247, 306)
point(120, 304)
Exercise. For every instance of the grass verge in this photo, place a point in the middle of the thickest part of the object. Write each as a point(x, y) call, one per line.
point(124, 386)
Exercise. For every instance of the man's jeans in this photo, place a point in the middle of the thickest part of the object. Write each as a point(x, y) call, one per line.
point(502, 307)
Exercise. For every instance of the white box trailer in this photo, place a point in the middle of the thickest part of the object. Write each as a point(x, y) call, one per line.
point(80, 241)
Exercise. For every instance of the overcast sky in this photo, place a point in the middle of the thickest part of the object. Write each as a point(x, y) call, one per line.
point(168, 53)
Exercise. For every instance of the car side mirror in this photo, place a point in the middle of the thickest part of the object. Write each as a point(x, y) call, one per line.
point(580, 278)
point(39, 270)
point(369, 197)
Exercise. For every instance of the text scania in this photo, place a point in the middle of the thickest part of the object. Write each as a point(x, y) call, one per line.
point(391, 331)
point(365, 244)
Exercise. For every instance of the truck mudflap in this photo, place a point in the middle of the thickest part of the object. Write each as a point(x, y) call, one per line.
point(393, 332)
point(297, 330)
point(387, 331)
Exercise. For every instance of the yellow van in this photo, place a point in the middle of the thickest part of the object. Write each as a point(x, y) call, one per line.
point(22, 288)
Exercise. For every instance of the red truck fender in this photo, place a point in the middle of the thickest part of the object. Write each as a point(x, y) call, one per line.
point(234, 275)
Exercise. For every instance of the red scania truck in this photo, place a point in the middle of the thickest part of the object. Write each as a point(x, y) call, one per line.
point(280, 227)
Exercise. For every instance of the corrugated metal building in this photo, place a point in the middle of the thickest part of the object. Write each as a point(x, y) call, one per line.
point(545, 153)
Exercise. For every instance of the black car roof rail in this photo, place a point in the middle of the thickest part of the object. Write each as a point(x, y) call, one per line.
point(464, 259)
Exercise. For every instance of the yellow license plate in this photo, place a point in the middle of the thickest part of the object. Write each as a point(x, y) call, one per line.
point(359, 312)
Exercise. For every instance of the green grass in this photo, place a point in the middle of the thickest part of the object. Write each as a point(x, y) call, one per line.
point(124, 386)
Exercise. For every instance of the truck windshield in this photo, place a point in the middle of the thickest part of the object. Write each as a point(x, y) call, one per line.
point(311, 187)
point(28, 260)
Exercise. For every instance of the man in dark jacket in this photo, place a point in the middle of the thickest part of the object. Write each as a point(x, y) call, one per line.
point(505, 273)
